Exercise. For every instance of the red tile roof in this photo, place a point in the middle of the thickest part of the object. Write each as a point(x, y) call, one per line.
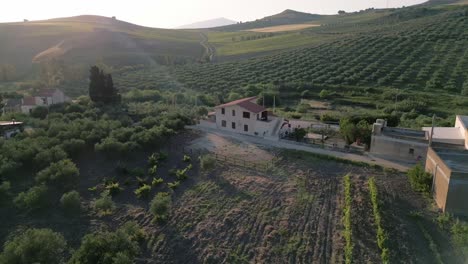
point(29, 101)
point(246, 104)
point(46, 92)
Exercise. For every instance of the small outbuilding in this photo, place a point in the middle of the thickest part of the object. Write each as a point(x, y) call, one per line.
point(449, 168)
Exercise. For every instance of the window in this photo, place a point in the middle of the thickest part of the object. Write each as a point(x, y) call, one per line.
point(223, 123)
point(246, 128)
point(246, 114)
point(223, 111)
point(411, 151)
point(233, 112)
point(233, 125)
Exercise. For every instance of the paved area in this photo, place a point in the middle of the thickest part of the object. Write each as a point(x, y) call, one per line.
point(286, 145)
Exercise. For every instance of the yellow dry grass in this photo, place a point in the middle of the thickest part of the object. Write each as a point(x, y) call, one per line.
point(283, 28)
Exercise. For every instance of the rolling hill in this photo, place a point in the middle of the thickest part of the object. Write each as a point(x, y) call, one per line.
point(217, 22)
point(86, 39)
point(286, 17)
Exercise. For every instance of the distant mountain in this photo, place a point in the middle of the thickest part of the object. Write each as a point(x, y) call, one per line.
point(286, 17)
point(217, 22)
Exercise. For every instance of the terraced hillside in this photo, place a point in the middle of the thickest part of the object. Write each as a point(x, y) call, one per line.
point(425, 54)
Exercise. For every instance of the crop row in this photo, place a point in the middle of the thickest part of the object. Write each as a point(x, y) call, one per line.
point(381, 235)
point(347, 233)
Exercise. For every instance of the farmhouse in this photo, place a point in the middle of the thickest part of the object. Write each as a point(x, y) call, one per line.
point(245, 116)
point(45, 97)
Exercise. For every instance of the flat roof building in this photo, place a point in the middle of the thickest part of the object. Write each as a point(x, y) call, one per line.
point(449, 168)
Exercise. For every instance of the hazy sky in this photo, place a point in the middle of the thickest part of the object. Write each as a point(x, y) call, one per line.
point(172, 13)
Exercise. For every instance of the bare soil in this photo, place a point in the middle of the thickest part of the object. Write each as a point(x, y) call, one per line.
point(235, 214)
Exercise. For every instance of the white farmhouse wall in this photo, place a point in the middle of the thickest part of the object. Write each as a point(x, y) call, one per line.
point(398, 148)
point(26, 109)
point(238, 119)
point(58, 97)
point(464, 130)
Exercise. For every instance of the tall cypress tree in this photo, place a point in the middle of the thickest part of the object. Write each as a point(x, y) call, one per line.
point(101, 87)
point(94, 89)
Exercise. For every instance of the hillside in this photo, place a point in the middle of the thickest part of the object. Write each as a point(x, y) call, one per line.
point(86, 39)
point(217, 22)
point(284, 18)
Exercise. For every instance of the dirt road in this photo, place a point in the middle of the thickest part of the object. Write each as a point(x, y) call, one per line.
point(287, 145)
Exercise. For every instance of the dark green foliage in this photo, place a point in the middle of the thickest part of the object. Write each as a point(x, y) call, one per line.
point(352, 132)
point(459, 232)
point(73, 146)
point(33, 199)
point(48, 156)
point(299, 133)
point(63, 174)
point(420, 180)
point(120, 246)
point(34, 246)
point(4, 191)
point(71, 203)
point(39, 112)
point(101, 87)
point(160, 206)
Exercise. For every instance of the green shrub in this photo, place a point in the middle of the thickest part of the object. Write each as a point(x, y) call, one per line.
point(160, 206)
point(459, 232)
point(187, 158)
point(143, 191)
point(63, 174)
point(47, 156)
point(173, 185)
point(104, 205)
point(156, 181)
point(113, 188)
point(207, 162)
point(34, 246)
point(120, 246)
point(32, 200)
point(153, 170)
point(73, 146)
point(419, 179)
point(181, 174)
point(39, 112)
point(71, 202)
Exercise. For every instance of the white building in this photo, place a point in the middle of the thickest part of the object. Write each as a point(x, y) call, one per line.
point(246, 117)
point(45, 97)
